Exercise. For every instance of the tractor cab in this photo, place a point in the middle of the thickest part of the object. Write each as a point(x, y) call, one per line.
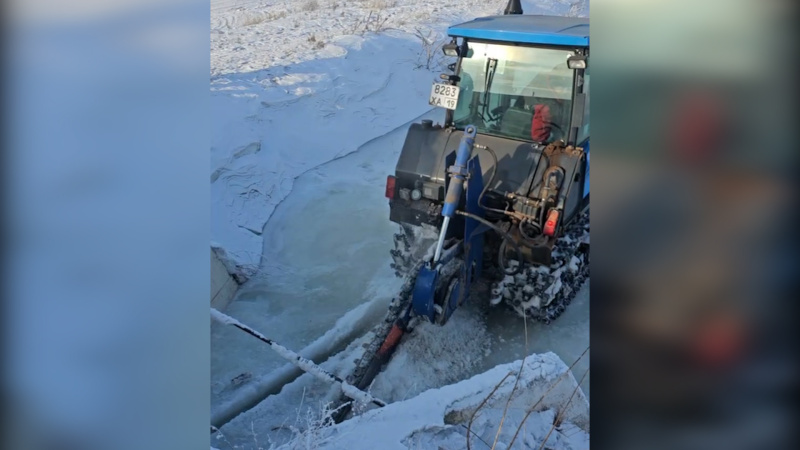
point(520, 77)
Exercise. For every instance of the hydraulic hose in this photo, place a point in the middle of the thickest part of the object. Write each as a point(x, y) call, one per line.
point(506, 238)
point(491, 180)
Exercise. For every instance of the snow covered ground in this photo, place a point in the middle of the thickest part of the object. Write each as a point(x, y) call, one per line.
point(436, 418)
point(443, 418)
point(310, 112)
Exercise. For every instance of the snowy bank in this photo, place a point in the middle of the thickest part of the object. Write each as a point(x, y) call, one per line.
point(546, 392)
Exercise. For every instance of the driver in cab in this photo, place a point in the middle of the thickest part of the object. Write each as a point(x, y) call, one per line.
point(548, 98)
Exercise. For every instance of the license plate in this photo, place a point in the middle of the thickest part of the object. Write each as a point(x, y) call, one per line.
point(444, 95)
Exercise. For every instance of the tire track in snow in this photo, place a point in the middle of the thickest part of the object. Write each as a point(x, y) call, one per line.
point(223, 5)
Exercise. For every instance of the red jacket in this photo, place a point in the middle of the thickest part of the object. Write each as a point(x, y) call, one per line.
point(540, 126)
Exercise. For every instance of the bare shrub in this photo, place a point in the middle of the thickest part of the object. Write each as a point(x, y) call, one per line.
point(374, 22)
point(430, 56)
point(579, 8)
point(261, 17)
point(252, 20)
point(309, 6)
point(381, 4)
point(312, 434)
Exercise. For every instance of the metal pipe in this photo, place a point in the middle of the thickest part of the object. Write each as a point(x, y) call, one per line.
point(305, 364)
point(352, 325)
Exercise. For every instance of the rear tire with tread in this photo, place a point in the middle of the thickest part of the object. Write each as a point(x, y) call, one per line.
point(410, 245)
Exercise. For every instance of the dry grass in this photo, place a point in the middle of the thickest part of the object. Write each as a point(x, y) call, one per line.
point(374, 22)
point(564, 409)
point(559, 416)
point(483, 403)
point(309, 6)
point(317, 44)
point(381, 4)
point(261, 17)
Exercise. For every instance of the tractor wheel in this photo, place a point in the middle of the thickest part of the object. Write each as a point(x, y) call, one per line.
point(411, 244)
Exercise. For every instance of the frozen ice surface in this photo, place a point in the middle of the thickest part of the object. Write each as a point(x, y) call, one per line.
point(326, 252)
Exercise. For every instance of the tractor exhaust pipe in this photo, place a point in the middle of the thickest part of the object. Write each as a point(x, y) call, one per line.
point(513, 7)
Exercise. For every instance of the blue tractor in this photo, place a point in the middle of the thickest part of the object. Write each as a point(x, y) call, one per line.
point(502, 183)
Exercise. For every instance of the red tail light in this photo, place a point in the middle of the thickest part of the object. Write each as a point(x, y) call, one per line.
point(390, 187)
point(550, 224)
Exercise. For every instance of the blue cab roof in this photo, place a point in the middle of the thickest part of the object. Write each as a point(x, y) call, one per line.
point(528, 29)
